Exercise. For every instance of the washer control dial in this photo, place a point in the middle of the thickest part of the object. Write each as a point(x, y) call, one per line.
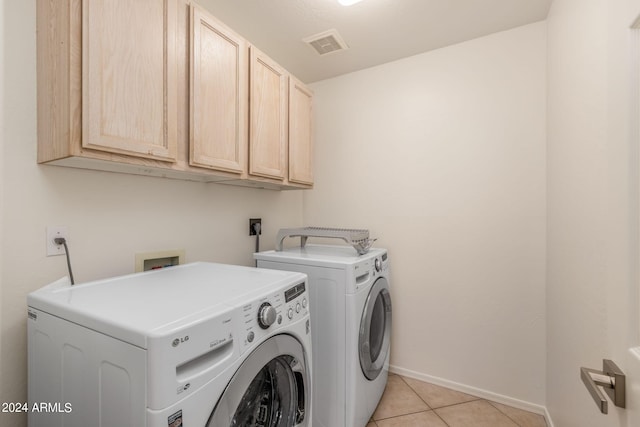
point(378, 265)
point(266, 315)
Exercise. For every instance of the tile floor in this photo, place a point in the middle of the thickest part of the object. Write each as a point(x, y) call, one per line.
point(411, 403)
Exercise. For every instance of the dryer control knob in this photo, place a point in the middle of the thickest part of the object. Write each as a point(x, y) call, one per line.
point(266, 315)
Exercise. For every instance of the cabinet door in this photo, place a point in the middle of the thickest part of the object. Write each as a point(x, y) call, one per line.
point(219, 95)
point(268, 131)
point(129, 85)
point(300, 133)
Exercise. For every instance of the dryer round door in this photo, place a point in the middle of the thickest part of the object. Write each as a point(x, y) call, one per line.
point(375, 329)
point(270, 388)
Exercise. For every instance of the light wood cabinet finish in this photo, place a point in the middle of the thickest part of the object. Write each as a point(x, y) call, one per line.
point(129, 77)
point(161, 88)
point(61, 120)
point(219, 95)
point(300, 133)
point(59, 78)
point(268, 123)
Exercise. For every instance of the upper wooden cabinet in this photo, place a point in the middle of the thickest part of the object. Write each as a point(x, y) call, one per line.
point(107, 84)
point(129, 102)
point(219, 95)
point(300, 133)
point(280, 131)
point(161, 88)
point(269, 117)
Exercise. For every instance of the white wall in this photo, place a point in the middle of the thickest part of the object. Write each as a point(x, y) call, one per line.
point(442, 157)
point(592, 280)
point(110, 217)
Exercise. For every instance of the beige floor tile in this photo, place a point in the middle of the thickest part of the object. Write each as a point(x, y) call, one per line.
point(421, 419)
point(522, 418)
point(478, 413)
point(398, 399)
point(372, 424)
point(436, 396)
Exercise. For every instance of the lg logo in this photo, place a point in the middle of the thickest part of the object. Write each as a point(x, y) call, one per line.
point(177, 341)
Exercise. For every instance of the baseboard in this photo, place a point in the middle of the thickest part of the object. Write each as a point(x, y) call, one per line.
point(547, 417)
point(484, 394)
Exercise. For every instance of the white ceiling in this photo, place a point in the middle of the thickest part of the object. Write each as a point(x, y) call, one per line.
point(376, 31)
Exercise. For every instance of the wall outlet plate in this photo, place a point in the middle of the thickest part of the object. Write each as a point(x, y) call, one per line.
point(252, 221)
point(54, 249)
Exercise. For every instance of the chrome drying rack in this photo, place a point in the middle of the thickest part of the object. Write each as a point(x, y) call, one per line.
point(358, 238)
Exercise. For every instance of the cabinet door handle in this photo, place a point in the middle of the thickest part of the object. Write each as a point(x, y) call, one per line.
point(611, 379)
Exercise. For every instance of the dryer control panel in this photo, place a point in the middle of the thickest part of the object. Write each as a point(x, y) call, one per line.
point(364, 272)
point(264, 316)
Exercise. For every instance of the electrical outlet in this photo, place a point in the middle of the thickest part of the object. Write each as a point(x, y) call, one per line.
point(53, 232)
point(252, 221)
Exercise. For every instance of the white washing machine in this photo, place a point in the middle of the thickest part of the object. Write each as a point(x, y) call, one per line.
point(351, 321)
point(199, 345)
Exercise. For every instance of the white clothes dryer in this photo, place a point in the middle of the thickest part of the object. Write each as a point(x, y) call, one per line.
point(351, 327)
point(200, 345)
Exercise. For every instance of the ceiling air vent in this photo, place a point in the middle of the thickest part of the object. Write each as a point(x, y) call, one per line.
point(326, 42)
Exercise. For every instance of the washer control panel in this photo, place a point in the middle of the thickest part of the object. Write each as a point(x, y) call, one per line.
point(370, 268)
point(296, 299)
point(263, 316)
point(381, 264)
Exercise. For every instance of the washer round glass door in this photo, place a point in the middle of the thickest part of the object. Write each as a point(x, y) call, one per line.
point(268, 390)
point(375, 329)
